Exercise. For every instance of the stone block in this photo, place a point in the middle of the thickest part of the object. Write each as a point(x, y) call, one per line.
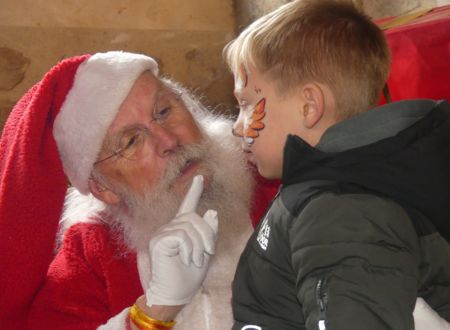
point(186, 37)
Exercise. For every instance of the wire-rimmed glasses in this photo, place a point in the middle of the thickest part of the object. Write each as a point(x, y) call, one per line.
point(133, 142)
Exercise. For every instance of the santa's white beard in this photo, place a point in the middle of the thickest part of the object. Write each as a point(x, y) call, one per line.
point(139, 215)
point(228, 192)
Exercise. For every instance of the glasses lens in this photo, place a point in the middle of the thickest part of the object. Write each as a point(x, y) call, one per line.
point(169, 110)
point(132, 143)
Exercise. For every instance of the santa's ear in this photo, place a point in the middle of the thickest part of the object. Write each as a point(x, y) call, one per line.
point(103, 193)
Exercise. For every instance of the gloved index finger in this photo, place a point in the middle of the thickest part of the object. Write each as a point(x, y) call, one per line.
point(190, 201)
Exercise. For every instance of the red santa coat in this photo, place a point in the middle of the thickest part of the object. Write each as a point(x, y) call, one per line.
point(92, 278)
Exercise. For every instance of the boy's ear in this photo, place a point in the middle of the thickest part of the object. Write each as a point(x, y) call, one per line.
point(313, 104)
point(102, 193)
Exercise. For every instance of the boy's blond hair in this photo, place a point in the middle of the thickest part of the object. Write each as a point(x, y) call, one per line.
point(325, 41)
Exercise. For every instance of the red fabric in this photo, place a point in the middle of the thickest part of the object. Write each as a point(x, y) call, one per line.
point(92, 279)
point(265, 191)
point(32, 189)
point(421, 57)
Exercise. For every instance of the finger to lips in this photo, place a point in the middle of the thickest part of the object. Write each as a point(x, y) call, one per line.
point(190, 201)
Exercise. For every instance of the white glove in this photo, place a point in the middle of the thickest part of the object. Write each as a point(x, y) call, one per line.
point(426, 318)
point(180, 252)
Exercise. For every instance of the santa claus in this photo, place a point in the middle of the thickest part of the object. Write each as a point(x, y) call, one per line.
point(130, 144)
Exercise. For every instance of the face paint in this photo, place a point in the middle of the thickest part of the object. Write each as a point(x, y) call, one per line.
point(253, 123)
point(242, 77)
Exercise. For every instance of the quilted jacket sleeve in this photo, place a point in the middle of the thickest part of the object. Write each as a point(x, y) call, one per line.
point(356, 259)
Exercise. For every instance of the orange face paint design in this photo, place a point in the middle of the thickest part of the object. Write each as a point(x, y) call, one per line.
point(255, 124)
point(242, 78)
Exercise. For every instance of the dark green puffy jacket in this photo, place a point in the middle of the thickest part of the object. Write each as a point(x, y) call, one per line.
point(358, 254)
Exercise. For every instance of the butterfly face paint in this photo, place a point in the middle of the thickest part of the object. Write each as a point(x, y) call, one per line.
point(251, 118)
point(253, 123)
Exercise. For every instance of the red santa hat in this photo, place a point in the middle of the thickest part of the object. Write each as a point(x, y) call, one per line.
point(101, 84)
point(56, 129)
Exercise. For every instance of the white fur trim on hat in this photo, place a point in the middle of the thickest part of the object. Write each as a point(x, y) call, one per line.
point(100, 86)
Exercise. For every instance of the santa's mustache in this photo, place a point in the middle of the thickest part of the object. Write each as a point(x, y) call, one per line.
point(182, 157)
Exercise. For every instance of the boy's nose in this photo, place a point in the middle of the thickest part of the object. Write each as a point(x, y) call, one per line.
point(238, 126)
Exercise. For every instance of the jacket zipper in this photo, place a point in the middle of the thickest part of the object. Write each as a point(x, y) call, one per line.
point(322, 300)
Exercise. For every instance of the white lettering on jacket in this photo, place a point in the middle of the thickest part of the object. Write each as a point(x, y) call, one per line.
point(264, 233)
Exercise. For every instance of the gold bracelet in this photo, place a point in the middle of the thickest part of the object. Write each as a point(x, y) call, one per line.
point(145, 322)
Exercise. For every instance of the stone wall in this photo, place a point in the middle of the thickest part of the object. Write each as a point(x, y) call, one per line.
point(385, 8)
point(248, 10)
point(186, 37)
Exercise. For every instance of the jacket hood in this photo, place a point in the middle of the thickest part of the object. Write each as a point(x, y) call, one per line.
point(411, 166)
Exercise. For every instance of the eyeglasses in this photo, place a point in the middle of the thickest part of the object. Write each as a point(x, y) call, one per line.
point(132, 143)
